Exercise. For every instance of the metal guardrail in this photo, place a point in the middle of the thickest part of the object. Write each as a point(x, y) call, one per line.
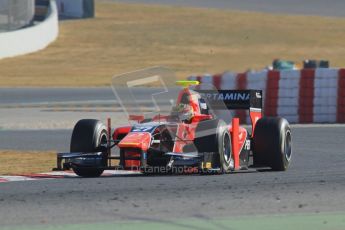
point(15, 14)
point(31, 38)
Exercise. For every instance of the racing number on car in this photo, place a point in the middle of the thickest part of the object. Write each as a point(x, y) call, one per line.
point(142, 129)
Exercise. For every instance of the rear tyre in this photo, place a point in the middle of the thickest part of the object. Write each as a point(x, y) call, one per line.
point(273, 143)
point(213, 136)
point(88, 135)
point(225, 154)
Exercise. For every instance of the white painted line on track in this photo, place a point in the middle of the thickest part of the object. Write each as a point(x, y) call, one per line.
point(15, 178)
point(61, 174)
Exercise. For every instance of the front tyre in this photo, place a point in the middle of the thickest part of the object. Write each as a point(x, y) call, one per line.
point(273, 143)
point(88, 136)
point(225, 154)
point(213, 136)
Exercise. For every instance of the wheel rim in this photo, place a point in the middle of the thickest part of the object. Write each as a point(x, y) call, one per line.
point(227, 150)
point(103, 140)
point(287, 146)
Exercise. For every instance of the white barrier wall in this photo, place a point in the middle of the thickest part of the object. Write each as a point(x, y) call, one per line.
point(301, 96)
point(31, 39)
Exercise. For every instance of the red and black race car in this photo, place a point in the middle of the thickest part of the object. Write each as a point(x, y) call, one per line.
point(191, 137)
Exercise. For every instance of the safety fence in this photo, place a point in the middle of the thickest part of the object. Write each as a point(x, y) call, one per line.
point(301, 96)
point(15, 14)
point(32, 38)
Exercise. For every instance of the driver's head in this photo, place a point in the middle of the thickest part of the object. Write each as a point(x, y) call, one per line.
point(185, 112)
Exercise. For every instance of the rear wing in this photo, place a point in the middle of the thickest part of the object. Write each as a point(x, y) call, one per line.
point(236, 100)
point(233, 99)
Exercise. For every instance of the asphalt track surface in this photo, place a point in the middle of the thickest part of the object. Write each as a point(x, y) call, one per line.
point(315, 183)
point(52, 108)
point(32, 140)
point(40, 95)
point(330, 8)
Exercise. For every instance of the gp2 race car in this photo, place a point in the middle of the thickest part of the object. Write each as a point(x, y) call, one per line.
point(191, 138)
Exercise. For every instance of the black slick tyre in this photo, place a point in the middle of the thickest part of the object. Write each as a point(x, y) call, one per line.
point(88, 136)
point(272, 143)
point(213, 136)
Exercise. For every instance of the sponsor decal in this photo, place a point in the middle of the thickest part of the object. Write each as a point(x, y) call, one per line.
point(203, 105)
point(231, 96)
point(206, 165)
point(247, 145)
point(142, 128)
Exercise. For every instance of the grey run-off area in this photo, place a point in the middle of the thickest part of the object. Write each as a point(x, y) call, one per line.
point(331, 8)
point(61, 108)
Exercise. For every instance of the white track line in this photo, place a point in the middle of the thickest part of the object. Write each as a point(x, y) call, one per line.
point(64, 174)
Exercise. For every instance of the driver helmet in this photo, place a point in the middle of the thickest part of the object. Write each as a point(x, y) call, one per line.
point(185, 112)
